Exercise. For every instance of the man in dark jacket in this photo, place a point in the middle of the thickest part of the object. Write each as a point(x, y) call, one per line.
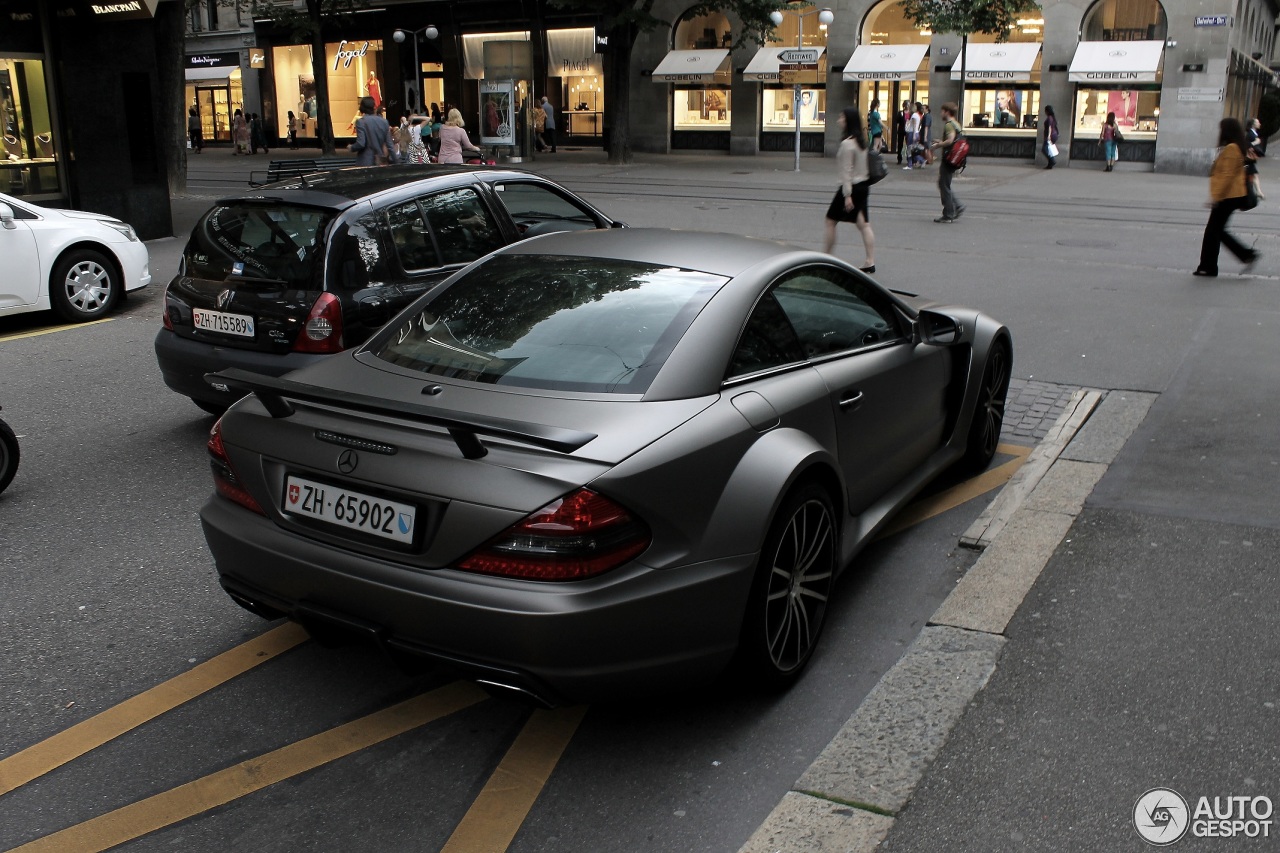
point(373, 136)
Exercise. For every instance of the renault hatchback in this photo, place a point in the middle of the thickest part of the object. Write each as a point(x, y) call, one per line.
point(274, 280)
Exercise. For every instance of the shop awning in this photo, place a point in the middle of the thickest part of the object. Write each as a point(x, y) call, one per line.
point(998, 62)
point(885, 62)
point(693, 66)
point(1116, 62)
point(765, 66)
point(210, 76)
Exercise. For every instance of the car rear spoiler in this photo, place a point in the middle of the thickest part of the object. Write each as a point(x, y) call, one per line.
point(464, 429)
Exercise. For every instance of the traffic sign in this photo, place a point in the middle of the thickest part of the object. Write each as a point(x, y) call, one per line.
point(788, 76)
point(799, 56)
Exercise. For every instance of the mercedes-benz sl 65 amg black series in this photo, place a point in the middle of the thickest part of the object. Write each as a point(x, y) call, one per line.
point(601, 461)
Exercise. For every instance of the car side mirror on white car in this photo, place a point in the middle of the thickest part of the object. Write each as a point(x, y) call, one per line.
point(6, 217)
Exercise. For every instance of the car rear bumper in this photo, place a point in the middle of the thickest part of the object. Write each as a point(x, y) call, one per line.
point(632, 631)
point(184, 362)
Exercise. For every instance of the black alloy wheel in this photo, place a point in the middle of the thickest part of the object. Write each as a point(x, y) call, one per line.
point(788, 602)
point(988, 417)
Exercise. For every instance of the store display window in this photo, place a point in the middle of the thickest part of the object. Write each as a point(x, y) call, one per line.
point(1001, 108)
point(706, 106)
point(215, 105)
point(799, 28)
point(354, 71)
point(30, 153)
point(572, 57)
point(1137, 112)
point(776, 109)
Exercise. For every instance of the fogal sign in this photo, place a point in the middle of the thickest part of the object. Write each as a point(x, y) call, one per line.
point(348, 55)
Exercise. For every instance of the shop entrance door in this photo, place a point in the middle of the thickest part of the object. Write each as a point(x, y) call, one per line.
point(215, 116)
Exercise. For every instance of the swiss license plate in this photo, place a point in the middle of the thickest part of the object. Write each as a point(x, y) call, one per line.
point(240, 325)
point(353, 510)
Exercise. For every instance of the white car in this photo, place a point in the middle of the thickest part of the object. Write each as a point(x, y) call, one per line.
point(79, 264)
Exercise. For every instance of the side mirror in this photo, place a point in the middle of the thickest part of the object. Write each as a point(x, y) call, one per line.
point(937, 329)
point(6, 217)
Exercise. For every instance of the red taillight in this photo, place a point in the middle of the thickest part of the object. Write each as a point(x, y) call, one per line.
point(323, 330)
point(165, 318)
point(224, 476)
point(577, 536)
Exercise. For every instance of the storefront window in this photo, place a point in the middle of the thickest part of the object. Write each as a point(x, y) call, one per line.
point(706, 106)
point(1005, 97)
point(30, 154)
point(354, 71)
point(571, 56)
point(1008, 108)
point(216, 101)
point(886, 31)
point(777, 99)
point(1137, 112)
point(1125, 20)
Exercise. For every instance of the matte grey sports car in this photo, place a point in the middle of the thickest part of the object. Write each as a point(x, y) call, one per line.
point(601, 460)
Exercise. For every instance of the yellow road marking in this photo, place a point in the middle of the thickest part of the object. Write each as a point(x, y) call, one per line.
point(953, 497)
point(49, 330)
point(498, 813)
point(218, 789)
point(51, 753)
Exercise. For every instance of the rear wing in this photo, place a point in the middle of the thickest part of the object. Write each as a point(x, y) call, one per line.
point(464, 429)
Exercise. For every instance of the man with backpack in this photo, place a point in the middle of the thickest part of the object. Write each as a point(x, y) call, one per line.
point(955, 150)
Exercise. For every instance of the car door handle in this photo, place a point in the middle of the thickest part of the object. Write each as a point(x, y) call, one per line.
point(849, 399)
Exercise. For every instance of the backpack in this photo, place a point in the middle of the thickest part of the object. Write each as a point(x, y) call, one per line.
point(876, 167)
point(957, 155)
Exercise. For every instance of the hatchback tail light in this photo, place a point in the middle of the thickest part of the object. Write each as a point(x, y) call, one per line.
point(165, 318)
point(577, 536)
point(323, 330)
point(225, 479)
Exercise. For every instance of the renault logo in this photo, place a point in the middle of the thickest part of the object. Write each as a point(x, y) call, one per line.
point(223, 298)
point(347, 461)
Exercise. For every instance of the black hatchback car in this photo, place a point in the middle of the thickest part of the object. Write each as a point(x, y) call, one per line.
point(273, 280)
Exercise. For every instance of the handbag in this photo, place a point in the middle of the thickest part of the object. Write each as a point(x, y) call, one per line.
point(876, 167)
point(1116, 136)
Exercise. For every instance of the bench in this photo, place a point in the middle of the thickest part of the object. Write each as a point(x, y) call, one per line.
point(283, 170)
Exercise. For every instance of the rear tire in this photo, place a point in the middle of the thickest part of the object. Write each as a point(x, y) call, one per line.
point(988, 417)
point(787, 606)
point(9, 455)
point(85, 286)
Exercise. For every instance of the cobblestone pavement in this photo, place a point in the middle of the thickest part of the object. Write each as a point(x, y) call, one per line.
point(1031, 408)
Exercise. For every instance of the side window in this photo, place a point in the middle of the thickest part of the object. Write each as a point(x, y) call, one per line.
point(410, 238)
point(833, 311)
point(362, 262)
point(530, 203)
point(767, 341)
point(463, 228)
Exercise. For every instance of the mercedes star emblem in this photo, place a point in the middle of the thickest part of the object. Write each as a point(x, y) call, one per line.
point(347, 461)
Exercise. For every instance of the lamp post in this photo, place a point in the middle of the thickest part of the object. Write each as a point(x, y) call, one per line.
point(399, 36)
point(825, 17)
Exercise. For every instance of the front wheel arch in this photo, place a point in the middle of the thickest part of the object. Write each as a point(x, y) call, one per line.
point(68, 257)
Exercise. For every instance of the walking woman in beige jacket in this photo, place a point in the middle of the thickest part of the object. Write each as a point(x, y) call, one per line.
point(1227, 194)
point(851, 200)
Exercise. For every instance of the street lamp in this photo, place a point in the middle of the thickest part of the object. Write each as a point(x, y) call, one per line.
point(825, 17)
point(399, 36)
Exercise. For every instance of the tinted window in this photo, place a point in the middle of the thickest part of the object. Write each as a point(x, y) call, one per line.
point(529, 203)
point(411, 239)
point(767, 341)
point(276, 242)
point(833, 311)
point(463, 228)
point(553, 322)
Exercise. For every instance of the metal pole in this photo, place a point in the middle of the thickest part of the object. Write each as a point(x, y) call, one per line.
point(795, 107)
point(417, 74)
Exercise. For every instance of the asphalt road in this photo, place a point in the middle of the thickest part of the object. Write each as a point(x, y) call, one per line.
point(108, 590)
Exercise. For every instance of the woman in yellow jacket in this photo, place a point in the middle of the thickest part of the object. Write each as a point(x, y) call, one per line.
point(1228, 193)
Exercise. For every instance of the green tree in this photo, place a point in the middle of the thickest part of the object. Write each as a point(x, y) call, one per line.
point(303, 27)
point(991, 17)
point(624, 20)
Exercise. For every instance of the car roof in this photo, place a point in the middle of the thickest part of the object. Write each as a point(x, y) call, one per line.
point(341, 188)
point(720, 254)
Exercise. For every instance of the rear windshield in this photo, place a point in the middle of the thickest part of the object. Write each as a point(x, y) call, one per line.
point(552, 322)
point(275, 242)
